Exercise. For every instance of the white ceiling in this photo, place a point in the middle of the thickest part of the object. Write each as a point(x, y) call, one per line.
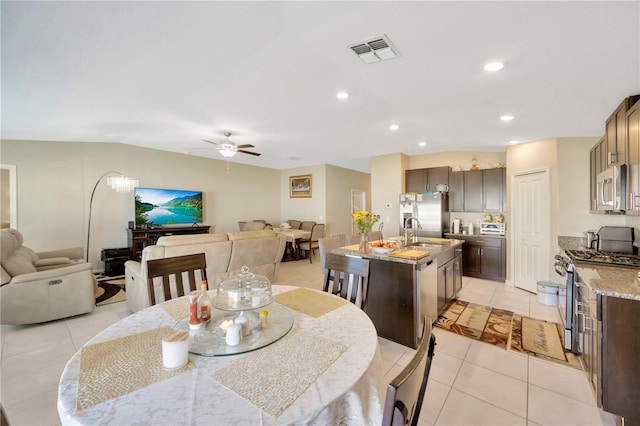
point(165, 75)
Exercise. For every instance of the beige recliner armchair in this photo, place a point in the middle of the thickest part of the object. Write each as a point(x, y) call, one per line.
point(39, 287)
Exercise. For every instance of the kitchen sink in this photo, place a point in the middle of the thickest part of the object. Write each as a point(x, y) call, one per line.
point(425, 245)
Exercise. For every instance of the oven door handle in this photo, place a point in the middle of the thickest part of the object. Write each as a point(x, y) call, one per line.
point(560, 270)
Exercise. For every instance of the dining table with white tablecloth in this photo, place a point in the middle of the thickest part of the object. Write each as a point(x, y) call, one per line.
point(327, 369)
point(292, 235)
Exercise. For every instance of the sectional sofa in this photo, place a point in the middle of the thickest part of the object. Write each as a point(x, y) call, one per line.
point(226, 253)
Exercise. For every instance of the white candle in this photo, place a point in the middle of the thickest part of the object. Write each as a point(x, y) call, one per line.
point(233, 334)
point(175, 350)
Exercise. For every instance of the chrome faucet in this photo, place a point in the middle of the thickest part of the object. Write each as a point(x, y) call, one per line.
point(406, 229)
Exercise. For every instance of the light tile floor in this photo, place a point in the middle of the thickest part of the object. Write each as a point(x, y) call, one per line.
point(470, 383)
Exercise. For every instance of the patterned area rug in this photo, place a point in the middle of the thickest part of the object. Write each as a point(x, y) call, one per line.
point(507, 330)
point(110, 291)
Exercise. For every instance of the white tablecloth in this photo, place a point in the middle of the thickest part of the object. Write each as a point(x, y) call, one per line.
point(293, 234)
point(350, 391)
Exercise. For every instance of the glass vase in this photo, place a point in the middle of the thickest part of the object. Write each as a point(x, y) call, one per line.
point(364, 243)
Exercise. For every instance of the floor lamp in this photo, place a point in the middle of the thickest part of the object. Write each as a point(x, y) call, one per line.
point(120, 183)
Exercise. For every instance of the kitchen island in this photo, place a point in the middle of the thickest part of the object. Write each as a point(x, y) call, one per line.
point(409, 283)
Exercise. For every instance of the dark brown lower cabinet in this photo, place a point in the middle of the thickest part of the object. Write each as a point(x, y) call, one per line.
point(484, 257)
point(619, 352)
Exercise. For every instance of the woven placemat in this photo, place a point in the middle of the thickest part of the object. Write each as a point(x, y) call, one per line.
point(274, 377)
point(120, 366)
point(309, 302)
point(176, 308)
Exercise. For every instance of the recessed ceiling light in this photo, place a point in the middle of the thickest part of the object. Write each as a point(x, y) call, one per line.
point(342, 95)
point(506, 117)
point(493, 66)
point(514, 142)
point(422, 144)
point(394, 127)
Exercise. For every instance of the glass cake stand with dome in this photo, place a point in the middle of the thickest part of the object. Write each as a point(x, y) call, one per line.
point(240, 299)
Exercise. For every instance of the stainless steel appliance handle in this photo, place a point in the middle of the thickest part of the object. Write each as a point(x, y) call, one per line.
point(560, 270)
point(602, 200)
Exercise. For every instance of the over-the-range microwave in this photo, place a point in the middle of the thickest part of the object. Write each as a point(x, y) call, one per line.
point(610, 189)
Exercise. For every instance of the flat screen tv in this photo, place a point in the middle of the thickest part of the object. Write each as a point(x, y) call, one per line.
point(167, 206)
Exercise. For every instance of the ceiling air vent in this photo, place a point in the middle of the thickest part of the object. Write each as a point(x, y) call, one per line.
point(374, 50)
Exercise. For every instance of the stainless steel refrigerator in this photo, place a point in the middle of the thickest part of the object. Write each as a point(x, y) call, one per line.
point(431, 209)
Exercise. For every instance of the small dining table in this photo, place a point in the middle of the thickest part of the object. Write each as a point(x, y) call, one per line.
point(292, 235)
point(327, 369)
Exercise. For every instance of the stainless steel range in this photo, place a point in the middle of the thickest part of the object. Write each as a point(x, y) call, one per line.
point(603, 258)
point(619, 239)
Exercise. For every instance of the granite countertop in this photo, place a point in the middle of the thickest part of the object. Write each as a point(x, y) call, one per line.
point(610, 281)
point(614, 281)
point(445, 244)
point(476, 233)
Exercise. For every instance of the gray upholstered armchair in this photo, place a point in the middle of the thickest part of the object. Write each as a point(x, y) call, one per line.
point(39, 287)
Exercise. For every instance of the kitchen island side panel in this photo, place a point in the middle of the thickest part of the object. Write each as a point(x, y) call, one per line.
point(391, 301)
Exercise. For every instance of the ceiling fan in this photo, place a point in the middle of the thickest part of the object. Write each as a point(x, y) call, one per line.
point(228, 148)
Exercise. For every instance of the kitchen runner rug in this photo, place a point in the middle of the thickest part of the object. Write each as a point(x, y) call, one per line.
point(507, 330)
point(110, 291)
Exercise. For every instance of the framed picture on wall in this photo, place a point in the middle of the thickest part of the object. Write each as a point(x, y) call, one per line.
point(300, 186)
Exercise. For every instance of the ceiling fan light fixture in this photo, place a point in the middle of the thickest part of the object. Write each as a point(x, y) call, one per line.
point(227, 151)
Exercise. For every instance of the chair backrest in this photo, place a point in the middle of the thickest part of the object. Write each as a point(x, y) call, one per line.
point(354, 239)
point(343, 238)
point(241, 225)
point(307, 224)
point(348, 277)
point(375, 235)
point(317, 232)
point(405, 393)
point(175, 266)
point(325, 245)
point(254, 226)
point(295, 224)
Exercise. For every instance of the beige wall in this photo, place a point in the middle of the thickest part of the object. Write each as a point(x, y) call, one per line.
point(340, 183)
point(55, 181)
point(304, 208)
point(387, 182)
point(535, 156)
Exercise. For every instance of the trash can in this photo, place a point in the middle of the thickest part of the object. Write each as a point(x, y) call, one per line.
point(562, 296)
point(548, 293)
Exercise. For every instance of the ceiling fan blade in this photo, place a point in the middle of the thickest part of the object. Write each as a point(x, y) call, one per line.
point(248, 152)
point(247, 145)
point(215, 143)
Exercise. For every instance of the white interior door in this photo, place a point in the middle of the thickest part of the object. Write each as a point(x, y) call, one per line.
point(530, 228)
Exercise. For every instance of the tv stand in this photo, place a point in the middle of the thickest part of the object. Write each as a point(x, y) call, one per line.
point(140, 238)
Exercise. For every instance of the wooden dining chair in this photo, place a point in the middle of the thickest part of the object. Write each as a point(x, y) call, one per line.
point(405, 393)
point(347, 277)
point(310, 244)
point(175, 266)
point(344, 241)
point(295, 224)
point(307, 225)
point(325, 245)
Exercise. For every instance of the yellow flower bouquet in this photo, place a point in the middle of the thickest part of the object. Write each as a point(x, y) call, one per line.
point(364, 220)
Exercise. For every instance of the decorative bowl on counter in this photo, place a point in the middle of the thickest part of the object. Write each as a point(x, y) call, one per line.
point(382, 250)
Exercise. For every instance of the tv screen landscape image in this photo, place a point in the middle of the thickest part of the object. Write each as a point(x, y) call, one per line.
point(167, 206)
